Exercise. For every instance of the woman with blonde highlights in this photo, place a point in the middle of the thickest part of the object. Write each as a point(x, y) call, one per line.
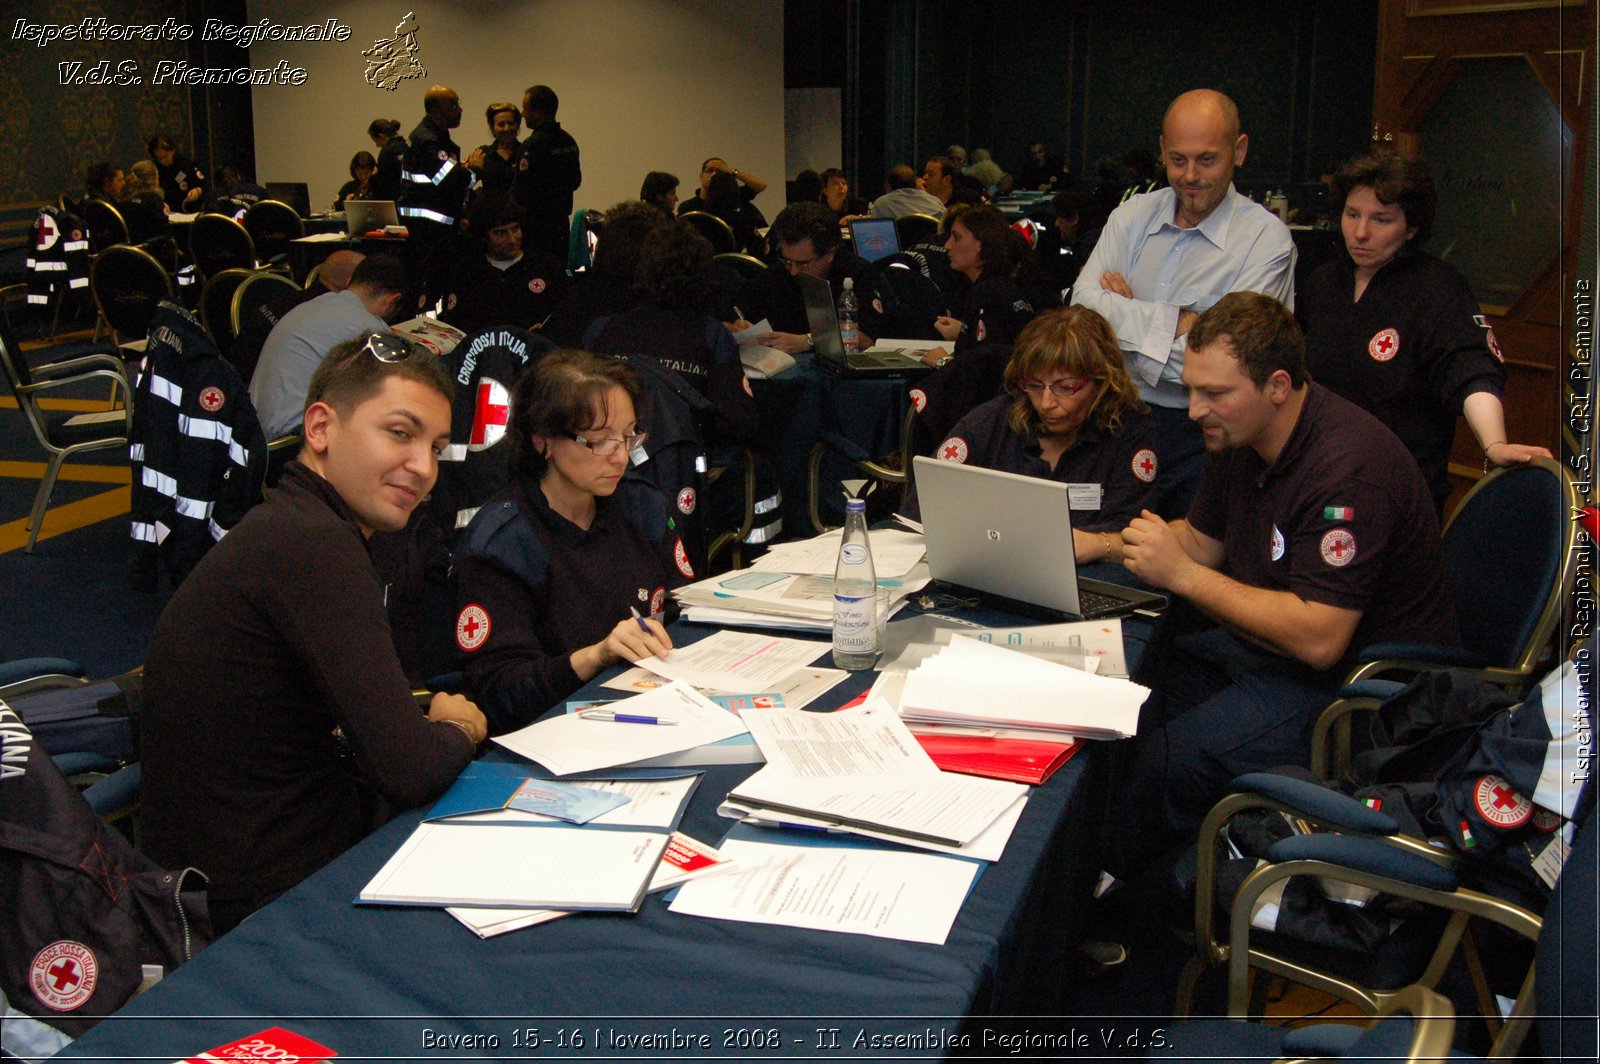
point(1069, 413)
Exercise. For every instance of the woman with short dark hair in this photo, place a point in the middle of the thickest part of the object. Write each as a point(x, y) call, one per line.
point(362, 168)
point(660, 190)
point(985, 250)
point(1397, 331)
point(496, 162)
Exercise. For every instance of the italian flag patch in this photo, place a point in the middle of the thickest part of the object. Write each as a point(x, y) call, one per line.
point(1339, 513)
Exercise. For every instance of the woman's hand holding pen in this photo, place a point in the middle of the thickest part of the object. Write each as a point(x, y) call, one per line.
point(633, 638)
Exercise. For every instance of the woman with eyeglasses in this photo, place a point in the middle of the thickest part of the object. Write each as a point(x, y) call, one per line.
point(567, 572)
point(1069, 413)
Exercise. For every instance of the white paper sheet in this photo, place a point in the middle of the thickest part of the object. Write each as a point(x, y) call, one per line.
point(799, 689)
point(651, 804)
point(737, 662)
point(500, 865)
point(570, 743)
point(912, 897)
point(894, 553)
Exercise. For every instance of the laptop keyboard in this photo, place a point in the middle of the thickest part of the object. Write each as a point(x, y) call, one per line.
point(1093, 604)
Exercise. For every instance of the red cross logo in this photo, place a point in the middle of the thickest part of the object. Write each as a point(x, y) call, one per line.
point(47, 234)
point(490, 415)
point(211, 400)
point(919, 399)
point(472, 627)
point(65, 974)
point(953, 450)
point(1144, 464)
point(1384, 345)
point(1338, 547)
point(1501, 804)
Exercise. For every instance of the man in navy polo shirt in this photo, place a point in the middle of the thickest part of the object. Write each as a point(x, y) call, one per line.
point(1313, 535)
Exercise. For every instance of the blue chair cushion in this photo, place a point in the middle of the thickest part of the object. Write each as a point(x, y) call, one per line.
point(1318, 801)
point(1365, 855)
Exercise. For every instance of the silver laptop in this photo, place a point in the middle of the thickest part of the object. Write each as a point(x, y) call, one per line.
point(823, 322)
point(1009, 538)
point(363, 216)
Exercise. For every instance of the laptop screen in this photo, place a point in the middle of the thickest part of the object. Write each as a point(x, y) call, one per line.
point(296, 194)
point(821, 318)
point(874, 238)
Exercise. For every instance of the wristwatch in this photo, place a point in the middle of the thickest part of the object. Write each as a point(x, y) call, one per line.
point(945, 361)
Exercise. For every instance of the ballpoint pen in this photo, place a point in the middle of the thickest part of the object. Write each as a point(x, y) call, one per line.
point(645, 628)
point(622, 718)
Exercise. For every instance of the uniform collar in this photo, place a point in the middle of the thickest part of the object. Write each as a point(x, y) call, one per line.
point(1297, 443)
point(533, 503)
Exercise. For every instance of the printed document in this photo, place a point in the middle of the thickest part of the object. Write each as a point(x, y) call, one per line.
point(737, 662)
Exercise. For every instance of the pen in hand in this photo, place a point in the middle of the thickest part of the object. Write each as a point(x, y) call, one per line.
point(622, 718)
point(637, 619)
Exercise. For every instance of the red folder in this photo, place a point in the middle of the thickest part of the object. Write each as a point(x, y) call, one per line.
point(1020, 760)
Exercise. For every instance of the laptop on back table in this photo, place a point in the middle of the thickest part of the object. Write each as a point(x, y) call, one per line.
point(879, 361)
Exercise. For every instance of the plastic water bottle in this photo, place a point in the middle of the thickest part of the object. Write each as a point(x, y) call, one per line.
point(849, 319)
point(855, 594)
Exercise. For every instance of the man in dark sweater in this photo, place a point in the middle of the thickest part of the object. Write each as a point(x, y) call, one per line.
point(279, 727)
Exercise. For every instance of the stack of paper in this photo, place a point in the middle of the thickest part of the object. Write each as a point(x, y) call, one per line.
point(791, 586)
point(976, 686)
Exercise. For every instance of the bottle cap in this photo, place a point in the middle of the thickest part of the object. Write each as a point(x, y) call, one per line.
point(849, 282)
point(855, 506)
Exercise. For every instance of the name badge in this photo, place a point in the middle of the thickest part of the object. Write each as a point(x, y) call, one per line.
point(1084, 496)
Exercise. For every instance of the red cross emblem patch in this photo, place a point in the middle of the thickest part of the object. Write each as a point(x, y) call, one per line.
point(1338, 547)
point(1494, 345)
point(211, 399)
point(47, 234)
point(1278, 546)
point(953, 450)
point(1500, 804)
point(983, 331)
point(522, 163)
point(1144, 464)
point(536, 285)
point(658, 602)
point(489, 415)
point(443, 155)
point(1545, 821)
point(472, 627)
point(686, 501)
point(1384, 345)
point(919, 399)
point(681, 557)
point(63, 975)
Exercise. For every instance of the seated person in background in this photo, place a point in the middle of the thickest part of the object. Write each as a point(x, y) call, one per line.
point(362, 168)
point(1313, 535)
point(233, 193)
point(259, 322)
point(750, 186)
point(991, 255)
point(278, 726)
point(610, 285)
point(1070, 413)
point(142, 206)
point(805, 188)
point(987, 172)
point(183, 186)
point(806, 237)
point(1397, 331)
point(671, 325)
point(391, 145)
point(660, 190)
point(836, 196)
point(496, 282)
point(904, 196)
point(1042, 172)
point(104, 182)
point(722, 198)
point(1065, 246)
point(548, 571)
point(298, 343)
point(496, 162)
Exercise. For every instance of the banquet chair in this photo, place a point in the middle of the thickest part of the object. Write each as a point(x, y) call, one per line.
point(216, 304)
point(273, 226)
point(128, 283)
point(217, 243)
point(714, 229)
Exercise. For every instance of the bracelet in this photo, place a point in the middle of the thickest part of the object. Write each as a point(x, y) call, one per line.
point(465, 730)
point(1486, 462)
point(1105, 538)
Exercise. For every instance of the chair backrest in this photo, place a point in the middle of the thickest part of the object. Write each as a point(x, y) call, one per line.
point(254, 290)
point(714, 229)
point(272, 225)
point(915, 228)
point(216, 304)
point(217, 242)
point(107, 226)
point(1509, 561)
point(898, 300)
point(747, 267)
point(128, 283)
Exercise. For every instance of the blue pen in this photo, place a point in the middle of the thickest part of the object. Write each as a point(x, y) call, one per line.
point(645, 628)
point(622, 718)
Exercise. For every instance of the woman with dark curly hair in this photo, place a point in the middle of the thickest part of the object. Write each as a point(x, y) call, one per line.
point(1070, 413)
point(671, 324)
point(549, 570)
point(1397, 331)
point(985, 250)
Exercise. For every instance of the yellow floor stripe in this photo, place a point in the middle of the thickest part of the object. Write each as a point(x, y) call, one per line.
point(73, 515)
point(76, 406)
point(91, 474)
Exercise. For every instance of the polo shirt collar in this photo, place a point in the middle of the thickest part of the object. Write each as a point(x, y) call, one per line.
point(1297, 443)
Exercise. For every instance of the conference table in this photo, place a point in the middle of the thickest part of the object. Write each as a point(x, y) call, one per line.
point(411, 983)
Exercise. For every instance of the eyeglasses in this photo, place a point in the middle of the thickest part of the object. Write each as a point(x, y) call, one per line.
point(606, 446)
point(796, 264)
point(387, 347)
point(1065, 388)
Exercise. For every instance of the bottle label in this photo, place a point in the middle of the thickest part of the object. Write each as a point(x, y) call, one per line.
point(854, 627)
point(853, 554)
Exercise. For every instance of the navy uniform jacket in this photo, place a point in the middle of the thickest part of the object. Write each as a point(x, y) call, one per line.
point(532, 587)
point(1410, 350)
point(1121, 469)
point(434, 184)
point(521, 296)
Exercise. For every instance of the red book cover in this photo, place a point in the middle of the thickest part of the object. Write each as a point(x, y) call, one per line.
point(1019, 760)
point(274, 1044)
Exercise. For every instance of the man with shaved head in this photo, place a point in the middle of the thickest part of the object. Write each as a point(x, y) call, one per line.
point(434, 185)
point(1165, 257)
